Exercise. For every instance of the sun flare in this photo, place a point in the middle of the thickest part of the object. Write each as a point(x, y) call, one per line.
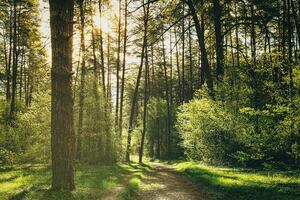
point(102, 23)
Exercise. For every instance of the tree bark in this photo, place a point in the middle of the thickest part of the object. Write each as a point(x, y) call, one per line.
point(62, 128)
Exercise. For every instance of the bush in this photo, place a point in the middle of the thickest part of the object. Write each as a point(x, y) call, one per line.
point(6, 156)
point(208, 131)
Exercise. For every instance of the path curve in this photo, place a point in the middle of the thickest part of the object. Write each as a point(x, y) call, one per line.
point(166, 184)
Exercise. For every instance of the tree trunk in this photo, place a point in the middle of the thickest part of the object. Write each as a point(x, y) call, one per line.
point(201, 41)
point(191, 63)
point(135, 94)
point(123, 71)
point(178, 69)
point(62, 128)
point(15, 62)
point(145, 107)
point(167, 98)
point(118, 70)
point(82, 77)
point(219, 39)
point(183, 56)
point(101, 49)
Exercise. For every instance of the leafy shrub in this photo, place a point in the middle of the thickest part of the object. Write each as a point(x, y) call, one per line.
point(6, 156)
point(208, 131)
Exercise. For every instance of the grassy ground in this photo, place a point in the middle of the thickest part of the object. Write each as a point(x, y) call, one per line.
point(134, 184)
point(231, 184)
point(33, 182)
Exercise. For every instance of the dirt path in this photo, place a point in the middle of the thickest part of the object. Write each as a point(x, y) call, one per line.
point(166, 184)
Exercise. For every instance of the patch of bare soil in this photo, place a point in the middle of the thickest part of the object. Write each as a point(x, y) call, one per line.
point(166, 184)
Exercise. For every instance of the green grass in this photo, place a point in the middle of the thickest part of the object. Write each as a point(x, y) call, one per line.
point(34, 181)
point(242, 184)
point(138, 172)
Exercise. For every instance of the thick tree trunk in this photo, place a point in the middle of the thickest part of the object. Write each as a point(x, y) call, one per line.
point(62, 128)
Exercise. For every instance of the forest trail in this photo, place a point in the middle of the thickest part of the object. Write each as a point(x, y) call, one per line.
point(114, 194)
point(165, 184)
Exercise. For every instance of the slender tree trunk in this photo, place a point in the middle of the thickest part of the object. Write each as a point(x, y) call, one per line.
point(22, 67)
point(191, 63)
point(183, 56)
point(15, 62)
point(201, 41)
point(253, 34)
point(219, 39)
point(135, 94)
point(296, 19)
point(8, 69)
point(167, 98)
point(178, 69)
point(290, 64)
point(123, 70)
point(118, 70)
point(82, 77)
point(62, 128)
point(145, 106)
point(237, 35)
point(101, 49)
point(171, 69)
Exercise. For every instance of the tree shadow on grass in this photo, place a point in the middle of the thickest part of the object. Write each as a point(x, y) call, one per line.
point(92, 182)
point(231, 185)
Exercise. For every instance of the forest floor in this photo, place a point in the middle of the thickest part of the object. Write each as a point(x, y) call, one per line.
point(190, 181)
point(32, 182)
point(157, 181)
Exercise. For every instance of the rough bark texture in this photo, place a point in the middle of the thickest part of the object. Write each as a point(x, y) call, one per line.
point(62, 130)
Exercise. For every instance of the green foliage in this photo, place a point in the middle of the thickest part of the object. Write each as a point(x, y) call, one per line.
point(27, 140)
point(208, 131)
